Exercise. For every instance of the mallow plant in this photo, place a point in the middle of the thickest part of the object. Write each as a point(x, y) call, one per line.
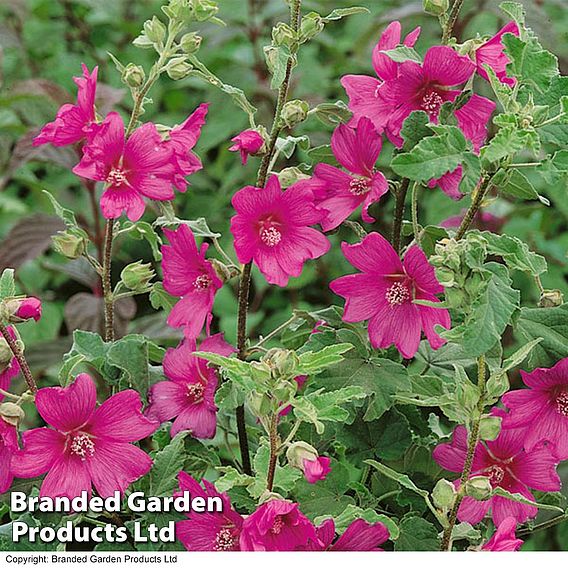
point(383, 421)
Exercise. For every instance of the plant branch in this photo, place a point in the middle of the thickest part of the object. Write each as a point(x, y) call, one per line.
point(20, 358)
point(456, 7)
point(543, 526)
point(415, 225)
point(476, 202)
point(399, 213)
point(274, 443)
point(473, 440)
point(107, 282)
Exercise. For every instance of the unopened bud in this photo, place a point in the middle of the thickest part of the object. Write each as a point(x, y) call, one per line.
point(289, 176)
point(283, 34)
point(260, 404)
point(489, 427)
point(445, 276)
point(133, 75)
point(6, 354)
point(224, 272)
point(18, 310)
point(294, 112)
point(551, 299)
point(479, 488)
point(312, 24)
point(204, 9)
point(444, 494)
point(178, 68)
point(69, 243)
point(190, 43)
point(298, 452)
point(155, 30)
point(283, 362)
point(137, 276)
point(11, 413)
point(435, 7)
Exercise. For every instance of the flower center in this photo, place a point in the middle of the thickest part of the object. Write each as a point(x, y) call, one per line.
point(82, 446)
point(117, 177)
point(359, 186)
point(224, 540)
point(195, 392)
point(496, 474)
point(277, 525)
point(562, 403)
point(431, 102)
point(202, 282)
point(397, 294)
point(270, 236)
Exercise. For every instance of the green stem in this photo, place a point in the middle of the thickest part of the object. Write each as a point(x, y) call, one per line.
point(20, 358)
point(275, 332)
point(415, 225)
point(473, 440)
point(9, 395)
point(456, 7)
point(274, 443)
point(399, 213)
point(244, 284)
point(476, 202)
point(107, 282)
point(543, 526)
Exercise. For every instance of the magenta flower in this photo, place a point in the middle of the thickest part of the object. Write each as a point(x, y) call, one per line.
point(491, 53)
point(316, 469)
point(339, 193)
point(189, 394)
point(272, 228)
point(423, 87)
point(208, 531)
point(141, 166)
point(8, 446)
point(181, 140)
point(359, 536)
point(504, 539)
point(77, 122)
point(362, 90)
point(507, 465)
point(190, 276)
point(28, 308)
point(87, 445)
point(384, 293)
point(9, 366)
point(542, 408)
point(248, 142)
point(277, 525)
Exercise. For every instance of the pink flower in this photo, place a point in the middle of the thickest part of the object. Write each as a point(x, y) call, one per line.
point(271, 228)
point(8, 446)
point(190, 276)
point(316, 469)
point(247, 142)
point(503, 539)
point(491, 53)
point(9, 366)
point(277, 525)
point(384, 293)
point(87, 445)
point(208, 531)
point(422, 87)
point(29, 308)
point(542, 408)
point(181, 140)
point(189, 394)
point(73, 123)
point(359, 536)
point(507, 465)
point(339, 193)
point(141, 166)
point(362, 90)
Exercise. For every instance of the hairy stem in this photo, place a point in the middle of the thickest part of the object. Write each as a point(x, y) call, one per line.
point(476, 202)
point(107, 282)
point(399, 213)
point(19, 356)
point(244, 284)
point(473, 440)
point(415, 225)
point(456, 7)
point(274, 443)
point(543, 526)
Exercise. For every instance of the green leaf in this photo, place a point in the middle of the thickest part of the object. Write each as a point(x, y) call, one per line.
point(232, 478)
point(160, 299)
point(507, 142)
point(417, 534)
point(66, 215)
point(550, 324)
point(288, 145)
point(312, 363)
point(401, 478)
point(7, 284)
point(332, 113)
point(515, 10)
point(130, 355)
point(403, 53)
point(471, 172)
point(285, 477)
point(433, 156)
point(352, 513)
point(339, 13)
point(414, 128)
point(142, 230)
point(66, 371)
point(238, 371)
point(518, 498)
point(322, 154)
point(198, 226)
point(517, 185)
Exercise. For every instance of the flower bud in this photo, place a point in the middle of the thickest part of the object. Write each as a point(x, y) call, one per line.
point(283, 362)
point(283, 34)
point(289, 176)
point(489, 427)
point(155, 30)
point(298, 452)
point(435, 7)
point(133, 75)
point(178, 68)
point(445, 276)
point(249, 142)
point(271, 55)
point(190, 43)
point(224, 272)
point(204, 9)
point(260, 404)
point(443, 494)
point(69, 243)
point(6, 354)
point(294, 112)
point(11, 413)
point(19, 310)
point(479, 488)
point(551, 299)
point(312, 24)
point(137, 276)
point(306, 458)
